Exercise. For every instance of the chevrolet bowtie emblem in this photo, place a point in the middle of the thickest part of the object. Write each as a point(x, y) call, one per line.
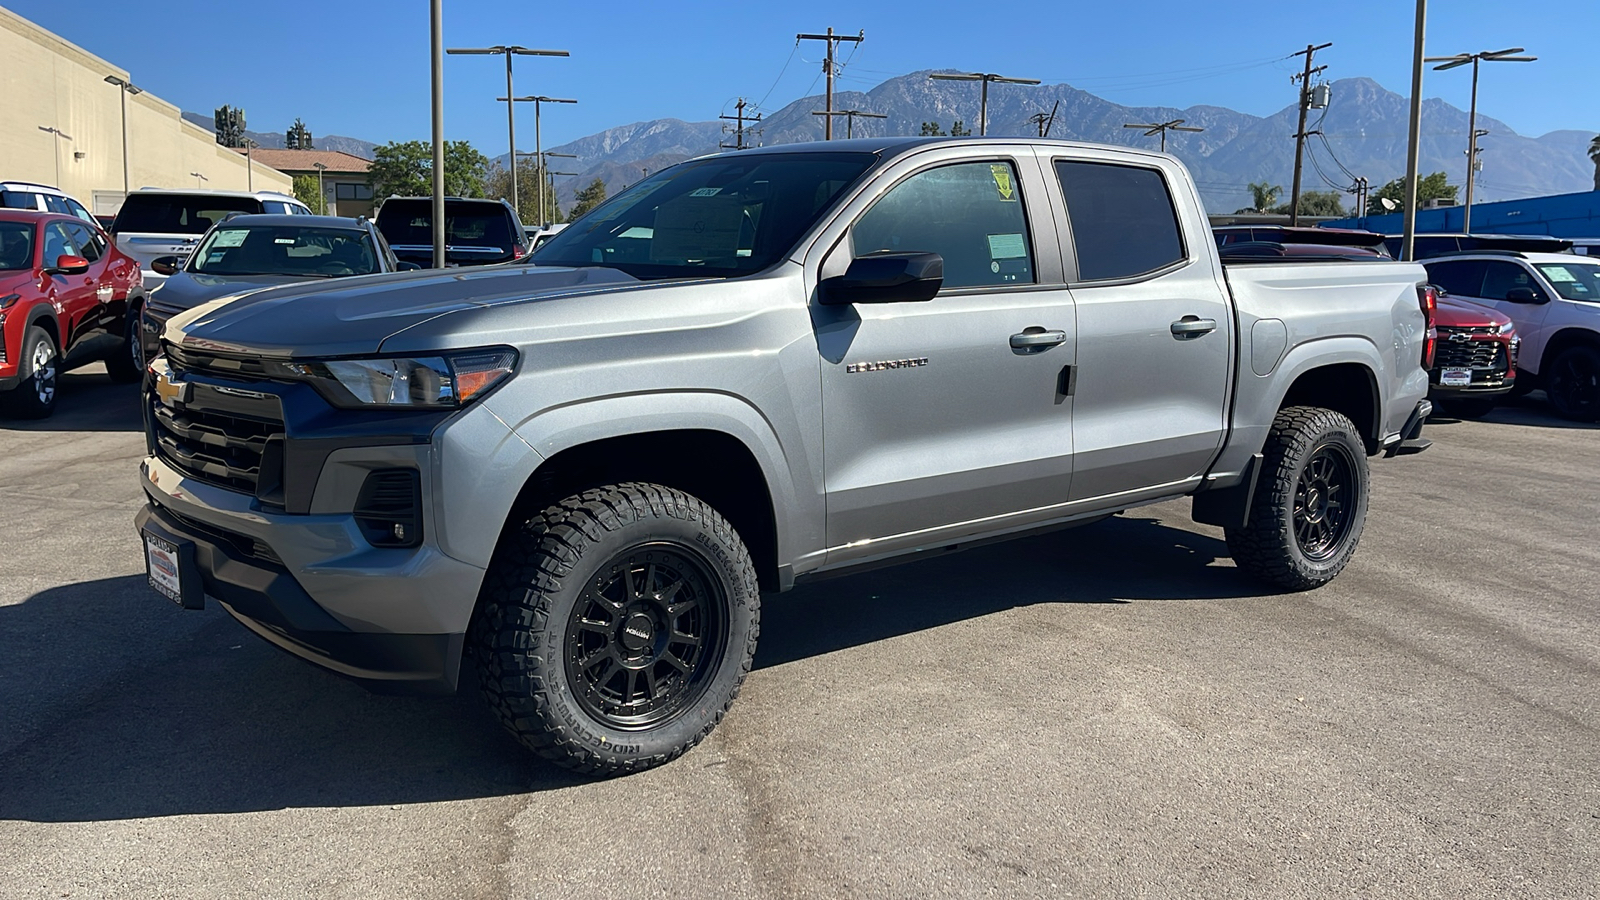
point(172, 392)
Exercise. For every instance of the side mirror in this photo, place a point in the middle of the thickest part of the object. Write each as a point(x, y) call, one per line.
point(68, 265)
point(885, 278)
point(1524, 295)
point(407, 267)
point(166, 265)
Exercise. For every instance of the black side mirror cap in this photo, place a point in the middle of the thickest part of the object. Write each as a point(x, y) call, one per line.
point(1524, 295)
point(892, 277)
point(407, 267)
point(166, 265)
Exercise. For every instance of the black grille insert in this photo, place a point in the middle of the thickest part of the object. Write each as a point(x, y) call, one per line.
point(220, 448)
point(1474, 354)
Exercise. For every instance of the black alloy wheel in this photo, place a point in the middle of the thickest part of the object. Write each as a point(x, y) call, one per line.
point(1573, 384)
point(1323, 500)
point(646, 635)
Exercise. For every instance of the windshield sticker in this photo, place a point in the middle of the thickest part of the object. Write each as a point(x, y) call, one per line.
point(1002, 181)
point(696, 229)
point(233, 237)
point(1559, 274)
point(705, 192)
point(1007, 246)
point(283, 240)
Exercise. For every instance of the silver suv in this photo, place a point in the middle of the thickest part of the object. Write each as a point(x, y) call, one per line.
point(154, 223)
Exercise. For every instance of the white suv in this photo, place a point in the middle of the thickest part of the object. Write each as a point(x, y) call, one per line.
point(43, 197)
point(1554, 299)
point(153, 223)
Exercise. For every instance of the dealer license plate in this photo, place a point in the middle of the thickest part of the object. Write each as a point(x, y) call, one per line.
point(1455, 377)
point(162, 559)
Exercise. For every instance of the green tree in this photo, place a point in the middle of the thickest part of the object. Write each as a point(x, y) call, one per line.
point(1594, 157)
point(307, 192)
point(498, 184)
point(1264, 195)
point(932, 129)
point(1316, 203)
point(958, 129)
point(1429, 187)
point(405, 169)
point(587, 199)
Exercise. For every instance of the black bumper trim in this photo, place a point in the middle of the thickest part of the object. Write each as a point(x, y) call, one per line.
point(269, 601)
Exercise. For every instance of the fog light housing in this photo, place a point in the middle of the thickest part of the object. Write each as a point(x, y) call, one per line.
point(389, 508)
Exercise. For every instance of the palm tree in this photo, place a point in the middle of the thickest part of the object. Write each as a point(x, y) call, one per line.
point(1265, 195)
point(1594, 155)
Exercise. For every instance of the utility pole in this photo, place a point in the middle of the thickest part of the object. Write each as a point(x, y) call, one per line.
point(1300, 130)
point(1461, 59)
point(1162, 128)
point(1414, 139)
point(511, 115)
point(738, 131)
point(986, 78)
point(1361, 189)
point(850, 116)
point(827, 67)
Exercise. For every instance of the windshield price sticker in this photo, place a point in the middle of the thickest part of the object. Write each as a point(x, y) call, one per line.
point(1002, 181)
point(233, 237)
point(1559, 274)
point(705, 192)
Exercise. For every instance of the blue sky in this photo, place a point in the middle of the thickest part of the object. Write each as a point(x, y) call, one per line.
point(360, 67)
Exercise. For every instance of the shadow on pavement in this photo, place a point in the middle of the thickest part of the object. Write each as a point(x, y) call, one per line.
point(86, 400)
point(124, 706)
point(1529, 409)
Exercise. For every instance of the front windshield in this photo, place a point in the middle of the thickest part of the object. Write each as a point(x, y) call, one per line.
point(1574, 281)
point(285, 250)
point(727, 215)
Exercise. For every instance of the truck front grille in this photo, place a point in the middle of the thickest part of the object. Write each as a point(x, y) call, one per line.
point(225, 449)
point(1475, 354)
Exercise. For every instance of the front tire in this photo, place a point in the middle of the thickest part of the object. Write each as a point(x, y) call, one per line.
point(1572, 382)
point(1310, 503)
point(616, 627)
point(34, 397)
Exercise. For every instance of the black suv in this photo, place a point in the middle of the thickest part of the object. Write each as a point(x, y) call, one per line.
point(477, 232)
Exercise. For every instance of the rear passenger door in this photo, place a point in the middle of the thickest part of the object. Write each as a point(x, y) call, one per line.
point(1154, 328)
point(934, 423)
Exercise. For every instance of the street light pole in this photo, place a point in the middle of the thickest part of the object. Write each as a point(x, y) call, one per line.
point(511, 115)
point(198, 178)
point(436, 52)
point(986, 78)
point(1461, 59)
point(124, 88)
point(55, 144)
point(1414, 140)
point(322, 192)
point(249, 168)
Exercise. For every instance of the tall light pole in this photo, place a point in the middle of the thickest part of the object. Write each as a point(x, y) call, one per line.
point(436, 55)
point(56, 135)
point(1461, 59)
point(124, 88)
point(986, 78)
point(1160, 128)
point(511, 106)
point(322, 193)
point(538, 148)
point(249, 167)
point(1414, 140)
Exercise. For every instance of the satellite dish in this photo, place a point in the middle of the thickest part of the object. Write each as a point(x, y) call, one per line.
point(1388, 204)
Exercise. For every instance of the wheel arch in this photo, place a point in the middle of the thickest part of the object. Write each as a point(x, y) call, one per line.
point(44, 317)
point(1350, 388)
point(1561, 341)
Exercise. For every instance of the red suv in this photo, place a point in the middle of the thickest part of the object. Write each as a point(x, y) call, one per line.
point(1475, 364)
point(66, 294)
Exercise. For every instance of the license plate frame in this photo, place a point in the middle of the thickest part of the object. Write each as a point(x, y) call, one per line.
point(171, 570)
point(1455, 377)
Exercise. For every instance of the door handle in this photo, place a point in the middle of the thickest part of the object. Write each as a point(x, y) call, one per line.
point(1037, 340)
point(1192, 327)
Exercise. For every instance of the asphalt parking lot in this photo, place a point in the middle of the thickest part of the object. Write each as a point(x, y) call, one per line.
point(1110, 711)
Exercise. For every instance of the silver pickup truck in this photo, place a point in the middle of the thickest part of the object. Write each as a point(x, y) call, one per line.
point(744, 372)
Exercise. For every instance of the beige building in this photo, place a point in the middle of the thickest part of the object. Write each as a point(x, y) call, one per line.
point(343, 176)
point(61, 124)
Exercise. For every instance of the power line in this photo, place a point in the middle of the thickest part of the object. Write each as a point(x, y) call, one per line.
point(763, 101)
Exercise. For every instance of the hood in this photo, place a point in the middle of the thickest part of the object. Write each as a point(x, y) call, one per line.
point(349, 316)
point(186, 290)
point(1458, 313)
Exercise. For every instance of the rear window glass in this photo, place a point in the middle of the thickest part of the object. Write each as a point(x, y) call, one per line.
point(178, 214)
point(1123, 221)
point(410, 222)
point(285, 250)
point(16, 245)
point(19, 200)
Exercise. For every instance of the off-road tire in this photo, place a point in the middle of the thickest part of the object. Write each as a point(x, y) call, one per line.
point(523, 642)
point(1572, 382)
point(1271, 546)
point(34, 397)
point(126, 363)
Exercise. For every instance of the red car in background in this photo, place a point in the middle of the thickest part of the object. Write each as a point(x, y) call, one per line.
point(1475, 363)
point(66, 296)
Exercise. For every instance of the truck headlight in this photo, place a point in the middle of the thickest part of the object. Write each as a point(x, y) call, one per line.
point(445, 381)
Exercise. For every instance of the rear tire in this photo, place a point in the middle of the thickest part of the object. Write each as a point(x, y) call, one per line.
point(1572, 382)
point(616, 627)
point(126, 363)
point(1310, 503)
point(34, 397)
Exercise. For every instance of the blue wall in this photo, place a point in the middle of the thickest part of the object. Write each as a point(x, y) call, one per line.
point(1561, 215)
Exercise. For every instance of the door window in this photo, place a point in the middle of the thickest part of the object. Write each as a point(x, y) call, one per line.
point(57, 243)
point(87, 240)
point(971, 214)
point(1501, 277)
point(1464, 278)
point(1123, 222)
point(56, 204)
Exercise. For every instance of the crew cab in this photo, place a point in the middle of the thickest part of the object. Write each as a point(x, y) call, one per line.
point(65, 296)
point(575, 477)
point(1554, 301)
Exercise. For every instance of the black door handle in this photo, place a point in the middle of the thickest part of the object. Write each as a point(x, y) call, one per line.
point(1192, 327)
point(1037, 340)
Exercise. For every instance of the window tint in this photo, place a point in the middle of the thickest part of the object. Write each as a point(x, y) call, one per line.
point(19, 200)
point(1574, 281)
point(1464, 278)
point(16, 246)
point(56, 204)
point(970, 214)
point(78, 210)
point(178, 213)
point(1501, 277)
point(277, 208)
point(1123, 220)
point(87, 241)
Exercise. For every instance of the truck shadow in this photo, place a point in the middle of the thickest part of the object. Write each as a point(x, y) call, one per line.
point(1529, 409)
point(119, 705)
point(86, 400)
